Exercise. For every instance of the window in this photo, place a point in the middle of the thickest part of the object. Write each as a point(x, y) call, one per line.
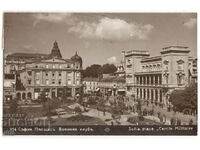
point(166, 68)
point(53, 81)
point(47, 82)
point(47, 74)
point(37, 74)
point(68, 65)
point(59, 81)
point(180, 66)
point(29, 73)
point(37, 81)
point(69, 74)
point(29, 82)
point(179, 79)
point(69, 81)
point(77, 74)
point(36, 66)
point(60, 74)
point(53, 74)
point(77, 82)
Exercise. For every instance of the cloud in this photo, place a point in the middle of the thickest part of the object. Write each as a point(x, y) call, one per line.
point(112, 60)
point(112, 29)
point(190, 23)
point(53, 18)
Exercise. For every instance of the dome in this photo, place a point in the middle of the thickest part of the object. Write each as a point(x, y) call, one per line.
point(76, 58)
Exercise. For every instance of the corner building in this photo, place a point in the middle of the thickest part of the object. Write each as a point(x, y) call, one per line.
point(56, 76)
point(154, 78)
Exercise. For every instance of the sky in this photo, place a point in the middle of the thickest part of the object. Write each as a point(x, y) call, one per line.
point(98, 38)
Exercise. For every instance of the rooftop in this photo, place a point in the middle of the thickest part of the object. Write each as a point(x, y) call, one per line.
point(113, 79)
point(175, 48)
point(90, 79)
point(148, 59)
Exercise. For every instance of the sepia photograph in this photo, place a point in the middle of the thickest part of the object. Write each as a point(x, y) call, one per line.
point(99, 73)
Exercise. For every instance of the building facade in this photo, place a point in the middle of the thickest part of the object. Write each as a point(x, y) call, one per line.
point(90, 85)
point(112, 85)
point(56, 76)
point(154, 78)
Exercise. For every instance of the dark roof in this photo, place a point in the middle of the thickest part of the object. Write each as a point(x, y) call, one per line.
point(55, 52)
point(76, 57)
point(149, 59)
point(113, 79)
point(90, 79)
point(26, 56)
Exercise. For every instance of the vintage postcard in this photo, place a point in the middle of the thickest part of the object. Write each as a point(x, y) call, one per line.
point(99, 73)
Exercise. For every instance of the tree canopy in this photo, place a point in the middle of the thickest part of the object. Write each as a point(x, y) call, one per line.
point(96, 70)
point(185, 99)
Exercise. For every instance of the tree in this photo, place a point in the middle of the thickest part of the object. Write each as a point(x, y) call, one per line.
point(108, 68)
point(185, 99)
point(96, 70)
point(13, 106)
point(93, 71)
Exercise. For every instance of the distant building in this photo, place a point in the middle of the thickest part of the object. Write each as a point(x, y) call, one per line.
point(90, 85)
point(56, 76)
point(9, 85)
point(112, 85)
point(154, 78)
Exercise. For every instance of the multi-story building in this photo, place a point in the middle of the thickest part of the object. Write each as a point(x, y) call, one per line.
point(154, 78)
point(112, 85)
point(90, 85)
point(56, 76)
point(17, 61)
point(9, 87)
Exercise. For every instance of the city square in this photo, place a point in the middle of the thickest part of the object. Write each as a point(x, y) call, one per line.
point(138, 89)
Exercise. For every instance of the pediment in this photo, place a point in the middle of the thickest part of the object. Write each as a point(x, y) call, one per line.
point(180, 61)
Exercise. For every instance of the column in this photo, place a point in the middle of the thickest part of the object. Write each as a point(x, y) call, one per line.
point(149, 79)
point(161, 96)
point(138, 79)
point(146, 94)
point(154, 95)
point(138, 93)
point(142, 94)
point(146, 79)
point(154, 79)
point(142, 80)
point(158, 95)
point(149, 94)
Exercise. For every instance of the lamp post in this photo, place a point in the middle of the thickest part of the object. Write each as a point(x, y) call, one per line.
point(46, 97)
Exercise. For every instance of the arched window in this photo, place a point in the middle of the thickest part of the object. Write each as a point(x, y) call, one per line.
point(29, 95)
point(19, 96)
point(23, 95)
